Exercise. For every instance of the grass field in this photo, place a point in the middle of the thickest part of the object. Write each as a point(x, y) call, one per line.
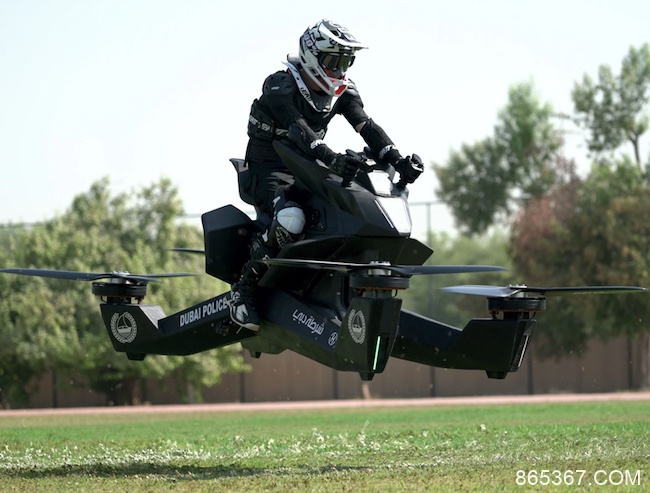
point(524, 447)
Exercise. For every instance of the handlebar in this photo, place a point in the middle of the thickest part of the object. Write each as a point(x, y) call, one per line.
point(367, 168)
point(401, 184)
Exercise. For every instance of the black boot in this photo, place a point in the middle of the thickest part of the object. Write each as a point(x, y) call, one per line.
point(243, 307)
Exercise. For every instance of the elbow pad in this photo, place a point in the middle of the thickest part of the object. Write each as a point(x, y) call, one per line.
point(379, 143)
point(311, 145)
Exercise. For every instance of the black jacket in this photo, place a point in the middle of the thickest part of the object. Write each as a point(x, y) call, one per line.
point(286, 101)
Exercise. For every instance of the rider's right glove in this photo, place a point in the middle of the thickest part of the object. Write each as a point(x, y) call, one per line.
point(346, 166)
point(410, 168)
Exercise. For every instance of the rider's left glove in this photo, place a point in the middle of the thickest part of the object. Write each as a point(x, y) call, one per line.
point(410, 168)
point(346, 166)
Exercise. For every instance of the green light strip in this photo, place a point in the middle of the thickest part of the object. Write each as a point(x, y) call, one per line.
point(374, 365)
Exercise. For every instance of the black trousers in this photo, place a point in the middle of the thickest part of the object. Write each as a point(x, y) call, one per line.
point(268, 180)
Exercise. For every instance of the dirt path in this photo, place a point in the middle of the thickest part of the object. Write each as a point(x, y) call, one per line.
point(332, 404)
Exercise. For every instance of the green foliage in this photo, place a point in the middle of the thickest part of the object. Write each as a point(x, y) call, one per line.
point(591, 232)
point(609, 238)
point(424, 296)
point(595, 231)
point(530, 141)
point(568, 231)
point(613, 109)
point(473, 185)
point(57, 325)
point(483, 182)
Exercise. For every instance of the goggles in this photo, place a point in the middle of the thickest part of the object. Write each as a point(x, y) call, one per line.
point(336, 63)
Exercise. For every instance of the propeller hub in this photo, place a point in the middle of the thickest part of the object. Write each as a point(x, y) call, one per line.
point(379, 271)
point(516, 304)
point(379, 282)
point(519, 290)
point(119, 291)
point(119, 277)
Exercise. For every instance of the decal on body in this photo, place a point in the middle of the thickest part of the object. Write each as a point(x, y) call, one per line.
point(123, 327)
point(357, 326)
point(309, 322)
point(212, 307)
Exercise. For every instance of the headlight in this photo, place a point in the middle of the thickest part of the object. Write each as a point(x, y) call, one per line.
point(396, 212)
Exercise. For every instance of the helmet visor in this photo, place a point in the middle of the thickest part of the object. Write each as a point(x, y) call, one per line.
point(336, 63)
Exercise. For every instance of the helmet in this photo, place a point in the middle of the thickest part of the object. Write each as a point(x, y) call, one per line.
point(326, 52)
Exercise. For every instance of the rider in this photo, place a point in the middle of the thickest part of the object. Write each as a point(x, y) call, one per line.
point(298, 103)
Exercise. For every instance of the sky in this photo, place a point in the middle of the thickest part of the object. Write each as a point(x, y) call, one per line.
point(136, 90)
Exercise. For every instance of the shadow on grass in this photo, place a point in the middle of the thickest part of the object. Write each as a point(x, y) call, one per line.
point(180, 472)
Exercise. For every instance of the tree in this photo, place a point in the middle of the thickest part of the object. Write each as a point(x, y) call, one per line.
point(57, 324)
point(27, 349)
point(571, 231)
point(613, 109)
point(595, 231)
point(425, 296)
point(539, 233)
point(473, 184)
point(591, 232)
point(486, 181)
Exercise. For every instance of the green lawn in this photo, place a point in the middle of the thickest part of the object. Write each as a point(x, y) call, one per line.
point(472, 448)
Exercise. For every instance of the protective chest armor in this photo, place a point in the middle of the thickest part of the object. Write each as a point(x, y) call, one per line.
point(277, 87)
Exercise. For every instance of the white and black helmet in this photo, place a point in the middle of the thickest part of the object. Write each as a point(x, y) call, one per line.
point(326, 52)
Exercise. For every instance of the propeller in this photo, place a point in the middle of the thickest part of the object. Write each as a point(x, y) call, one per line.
point(188, 250)
point(514, 289)
point(403, 270)
point(92, 276)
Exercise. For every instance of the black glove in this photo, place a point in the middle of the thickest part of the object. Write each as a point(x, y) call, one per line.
point(410, 168)
point(346, 166)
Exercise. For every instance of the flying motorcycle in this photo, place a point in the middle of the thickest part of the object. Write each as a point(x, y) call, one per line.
point(332, 296)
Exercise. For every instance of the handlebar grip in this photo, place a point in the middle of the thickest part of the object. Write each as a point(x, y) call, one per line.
point(355, 154)
point(361, 161)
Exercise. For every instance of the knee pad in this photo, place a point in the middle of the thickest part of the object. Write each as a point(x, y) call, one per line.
point(287, 225)
point(291, 218)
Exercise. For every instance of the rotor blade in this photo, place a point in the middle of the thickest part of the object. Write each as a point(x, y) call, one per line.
point(578, 290)
point(59, 274)
point(503, 292)
point(165, 274)
point(318, 264)
point(411, 270)
point(478, 290)
point(90, 276)
point(145, 277)
point(153, 277)
point(404, 270)
point(188, 250)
